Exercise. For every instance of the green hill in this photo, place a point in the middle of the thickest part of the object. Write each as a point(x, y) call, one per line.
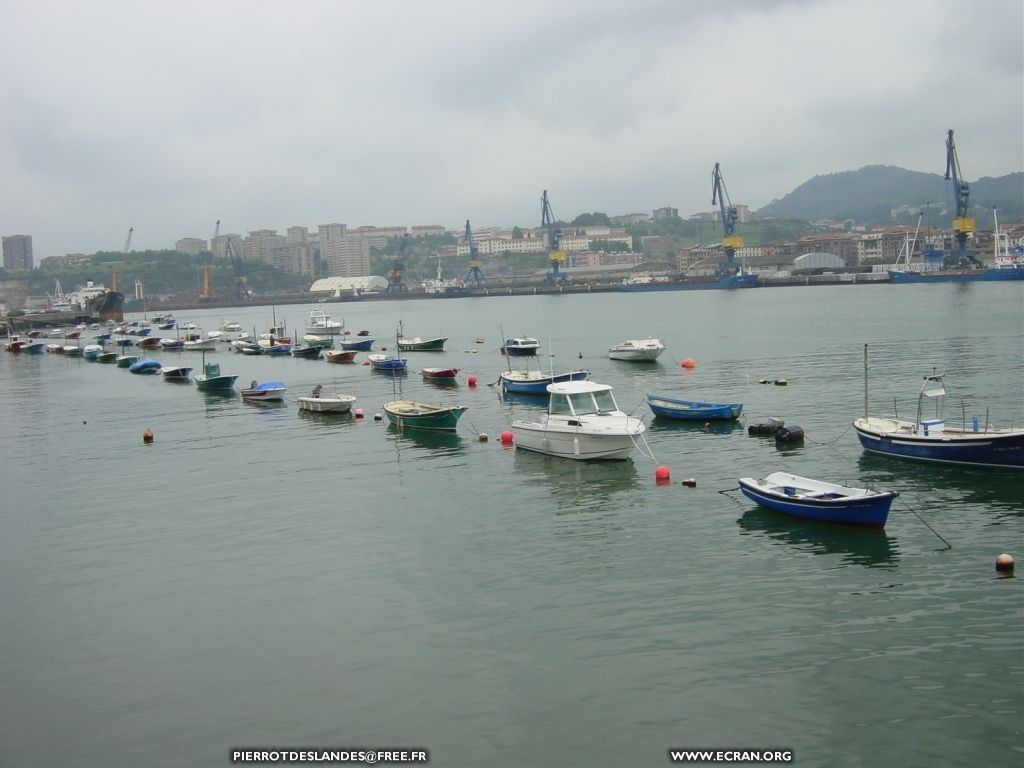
point(884, 194)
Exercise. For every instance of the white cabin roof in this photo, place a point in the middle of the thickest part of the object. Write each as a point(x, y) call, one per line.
point(576, 387)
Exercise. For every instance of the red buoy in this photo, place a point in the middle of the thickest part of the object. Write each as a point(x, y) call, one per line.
point(662, 473)
point(506, 438)
point(359, 413)
point(471, 380)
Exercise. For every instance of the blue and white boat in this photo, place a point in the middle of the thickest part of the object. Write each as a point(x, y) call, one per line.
point(145, 366)
point(268, 390)
point(536, 382)
point(818, 500)
point(927, 437)
point(695, 410)
point(382, 362)
point(359, 344)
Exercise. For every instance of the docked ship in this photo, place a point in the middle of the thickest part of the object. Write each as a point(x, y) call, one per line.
point(648, 282)
point(99, 301)
point(1008, 265)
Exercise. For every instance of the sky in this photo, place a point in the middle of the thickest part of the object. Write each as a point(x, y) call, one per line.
point(167, 116)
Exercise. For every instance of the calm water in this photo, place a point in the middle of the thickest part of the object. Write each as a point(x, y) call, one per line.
point(259, 576)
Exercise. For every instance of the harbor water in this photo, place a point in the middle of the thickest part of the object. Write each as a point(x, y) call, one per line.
point(263, 577)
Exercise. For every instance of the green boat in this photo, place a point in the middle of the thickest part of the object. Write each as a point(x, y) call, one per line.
point(212, 380)
point(127, 361)
point(107, 357)
point(418, 344)
point(407, 414)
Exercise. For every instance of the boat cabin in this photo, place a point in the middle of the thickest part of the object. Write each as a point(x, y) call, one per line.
point(581, 398)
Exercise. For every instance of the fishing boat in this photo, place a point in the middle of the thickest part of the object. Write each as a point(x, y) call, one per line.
point(319, 401)
point(107, 357)
point(172, 345)
point(362, 344)
point(521, 346)
point(308, 351)
point(268, 390)
point(928, 437)
point(200, 345)
point(176, 373)
point(384, 362)
point(339, 355)
point(92, 351)
point(149, 342)
point(408, 414)
point(320, 324)
point(145, 366)
point(72, 350)
point(419, 344)
point(440, 374)
point(15, 344)
point(211, 379)
point(583, 421)
point(675, 408)
point(536, 382)
point(818, 500)
point(278, 349)
point(637, 350)
point(34, 348)
point(127, 361)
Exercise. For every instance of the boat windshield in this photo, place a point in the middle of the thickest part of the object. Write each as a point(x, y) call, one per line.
point(560, 405)
point(585, 403)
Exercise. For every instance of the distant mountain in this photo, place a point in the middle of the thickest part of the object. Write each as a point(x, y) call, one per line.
point(885, 194)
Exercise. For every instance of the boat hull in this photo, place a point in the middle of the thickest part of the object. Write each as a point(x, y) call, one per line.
point(534, 382)
point(868, 511)
point(215, 383)
point(695, 410)
point(994, 448)
point(362, 345)
point(569, 443)
point(327, 403)
point(422, 345)
point(406, 414)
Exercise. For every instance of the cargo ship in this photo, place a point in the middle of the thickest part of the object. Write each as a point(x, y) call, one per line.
point(99, 301)
point(648, 282)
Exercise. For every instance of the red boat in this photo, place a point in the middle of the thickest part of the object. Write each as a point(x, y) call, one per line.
point(339, 355)
point(440, 373)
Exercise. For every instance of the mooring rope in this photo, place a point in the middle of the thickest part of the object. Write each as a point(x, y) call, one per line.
point(915, 514)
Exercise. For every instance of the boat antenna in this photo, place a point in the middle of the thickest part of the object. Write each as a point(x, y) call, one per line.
point(504, 346)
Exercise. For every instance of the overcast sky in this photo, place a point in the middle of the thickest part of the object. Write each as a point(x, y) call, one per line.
point(166, 116)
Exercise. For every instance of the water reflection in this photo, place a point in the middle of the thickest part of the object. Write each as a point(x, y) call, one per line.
point(858, 546)
point(579, 486)
point(426, 442)
point(326, 419)
point(662, 424)
point(218, 401)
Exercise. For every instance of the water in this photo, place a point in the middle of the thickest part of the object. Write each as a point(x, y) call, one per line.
point(258, 576)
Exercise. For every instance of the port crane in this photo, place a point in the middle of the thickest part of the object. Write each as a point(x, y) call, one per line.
point(128, 242)
point(241, 281)
point(730, 240)
point(475, 262)
point(963, 223)
point(396, 277)
point(557, 256)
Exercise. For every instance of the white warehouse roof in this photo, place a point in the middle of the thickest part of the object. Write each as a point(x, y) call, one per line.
point(818, 261)
point(361, 283)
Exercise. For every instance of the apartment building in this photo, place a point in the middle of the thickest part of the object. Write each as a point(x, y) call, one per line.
point(348, 256)
point(219, 245)
point(193, 246)
point(261, 243)
point(17, 252)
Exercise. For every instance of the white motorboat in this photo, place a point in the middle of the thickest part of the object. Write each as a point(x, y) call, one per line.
point(637, 350)
point(320, 324)
point(326, 402)
point(583, 421)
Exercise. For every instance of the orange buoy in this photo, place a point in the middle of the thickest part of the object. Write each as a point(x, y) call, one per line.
point(359, 413)
point(1004, 563)
point(147, 436)
point(506, 438)
point(471, 380)
point(688, 363)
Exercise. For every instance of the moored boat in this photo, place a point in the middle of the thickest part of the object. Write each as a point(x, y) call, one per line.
point(637, 350)
point(319, 401)
point(145, 366)
point(582, 422)
point(409, 414)
point(176, 373)
point(268, 390)
point(440, 374)
point(818, 500)
point(384, 362)
point(320, 324)
point(520, 346)
point(536, 382)
point(675, 408)
point(211, 379)
point(339, 355)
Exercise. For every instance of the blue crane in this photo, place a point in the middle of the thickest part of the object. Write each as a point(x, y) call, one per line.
point(557, 256)
point(730, 241)
point(963, 223)
point(396, 276)
point(475, 262)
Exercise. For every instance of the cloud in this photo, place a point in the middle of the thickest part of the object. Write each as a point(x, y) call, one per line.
point(167, 117)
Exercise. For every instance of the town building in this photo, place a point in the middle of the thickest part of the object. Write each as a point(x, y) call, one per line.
point(17, 252)
point(193, 246)
point(347, 256)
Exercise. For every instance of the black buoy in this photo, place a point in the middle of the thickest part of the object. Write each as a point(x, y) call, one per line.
point(789, 434)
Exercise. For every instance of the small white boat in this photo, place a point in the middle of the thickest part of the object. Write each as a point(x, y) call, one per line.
point(320, 324)
point(637, 350)
point(583, 421)
point(201, 345)
point(267, 391)
point(326, 402)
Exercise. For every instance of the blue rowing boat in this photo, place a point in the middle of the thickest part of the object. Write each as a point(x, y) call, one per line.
point(818, 500)
point(674, 408)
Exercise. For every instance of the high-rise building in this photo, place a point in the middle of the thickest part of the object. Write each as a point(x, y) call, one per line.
point(260, 245)
point(17, 252)
point(348, 256)
point(219, 245)
point(331, 232)
point(193, 246)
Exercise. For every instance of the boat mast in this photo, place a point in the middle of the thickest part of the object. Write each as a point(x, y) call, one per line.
point(865, 381)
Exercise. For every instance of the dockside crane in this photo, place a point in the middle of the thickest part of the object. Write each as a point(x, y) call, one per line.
point(396, 277)
point(241, 279)
point(475, 262)
point(963, 224)
point(730, 240)
point(128, 242)
point(557, 256)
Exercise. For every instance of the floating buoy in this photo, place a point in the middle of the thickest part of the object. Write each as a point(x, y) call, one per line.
point(147, 436)
point(688, 363)
point(366, 362)
point(789, 434)
point(767, 427)
point(471, 380)
point(781, 382)
point(1004, 563)
point(707, 425)
point(377, 417)
point(506, 438)
point(581, 355)
point(689, 483)
point(662, 473)
point(482, 437)
point(762, 381)
point(359, 413)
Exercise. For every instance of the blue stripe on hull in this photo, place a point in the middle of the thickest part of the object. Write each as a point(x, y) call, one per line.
point(992, 451)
